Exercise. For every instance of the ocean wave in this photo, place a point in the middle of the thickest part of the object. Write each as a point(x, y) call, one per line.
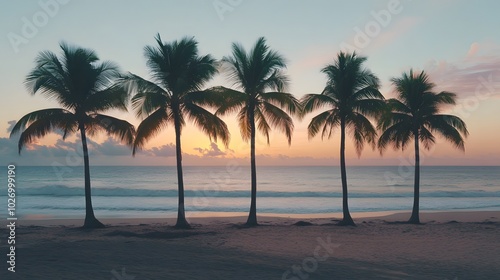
point(65, 191)
point(109, 208)
point(244, 209)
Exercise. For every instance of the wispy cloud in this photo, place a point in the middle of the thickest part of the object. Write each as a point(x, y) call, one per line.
point(477, 74)
point(213, 151)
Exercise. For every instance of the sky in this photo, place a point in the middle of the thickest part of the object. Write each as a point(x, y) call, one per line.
point(456, 42)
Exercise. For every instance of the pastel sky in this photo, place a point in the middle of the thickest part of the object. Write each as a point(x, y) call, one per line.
point(456, 42)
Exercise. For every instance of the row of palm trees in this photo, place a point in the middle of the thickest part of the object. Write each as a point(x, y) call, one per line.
point(86, 87)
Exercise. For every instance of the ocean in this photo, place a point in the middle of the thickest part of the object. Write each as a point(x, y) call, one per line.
point(151, 191)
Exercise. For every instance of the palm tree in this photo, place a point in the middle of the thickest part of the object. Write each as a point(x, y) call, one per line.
point(261, 104)
point(414, 115)
point(178, 73)
point(83, 86)
point(350, 96)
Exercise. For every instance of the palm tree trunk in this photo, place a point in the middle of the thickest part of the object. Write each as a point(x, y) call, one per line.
point(414, 219)
point(252, 216)
point(181, 214)
point(90, 219)
point(346, 220)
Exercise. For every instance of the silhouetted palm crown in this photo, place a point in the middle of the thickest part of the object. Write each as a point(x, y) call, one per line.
point(259, 75)
point(415, 111)
point(82, 85)
point(352, 95)
point(178, 74)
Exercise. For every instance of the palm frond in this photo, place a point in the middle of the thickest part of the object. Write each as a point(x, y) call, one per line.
point(49, 78)
point(209, 123)
point(390, 118)
point(276, 81)
point(244, 123)
point(426, 137)
point(151, 126)
point(200, 70)
point(216, 97)
point(286, 101)
point(399, 134)
point(325, 121)
point(450, 127)
point(45, 114)
point(368, 92)
point(148, 96)
point(362, 130)
point(39, 123)
point(121, 129)
point(114, 97)
point(234, 104)
point(278, 119)
point(369, 107)
point(237, 66)
point(446, 97)
point(262, 124)
point(397, 106)
point(312, 102)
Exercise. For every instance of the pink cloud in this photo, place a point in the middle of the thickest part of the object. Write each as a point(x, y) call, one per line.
point(476, 75)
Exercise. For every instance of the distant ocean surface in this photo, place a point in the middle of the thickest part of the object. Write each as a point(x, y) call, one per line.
point(130, 192)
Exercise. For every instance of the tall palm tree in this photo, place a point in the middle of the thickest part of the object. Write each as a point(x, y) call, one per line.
point(414, 115)
point(173, 94)
point(351, 96)
point(261, 104)
point(83, 86)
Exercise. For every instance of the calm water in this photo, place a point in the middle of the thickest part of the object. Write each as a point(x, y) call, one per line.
point(152, 191)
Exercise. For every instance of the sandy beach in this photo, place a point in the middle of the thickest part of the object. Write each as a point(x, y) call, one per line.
point(453, 245)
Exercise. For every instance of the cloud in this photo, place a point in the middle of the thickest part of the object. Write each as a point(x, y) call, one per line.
point(11, 125)
point(212, 151)
point(476, 75)
point(112, 147)
point(473, 50)
point(8, 147)
point(162, 151)
point(67, 152)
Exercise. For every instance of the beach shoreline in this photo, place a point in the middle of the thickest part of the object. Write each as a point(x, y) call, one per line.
point(449, 245)
point(388, 216)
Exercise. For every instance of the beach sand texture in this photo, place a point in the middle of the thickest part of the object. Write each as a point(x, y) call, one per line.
point(455, 245)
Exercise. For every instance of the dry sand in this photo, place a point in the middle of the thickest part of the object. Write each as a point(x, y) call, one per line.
point(454, 245)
